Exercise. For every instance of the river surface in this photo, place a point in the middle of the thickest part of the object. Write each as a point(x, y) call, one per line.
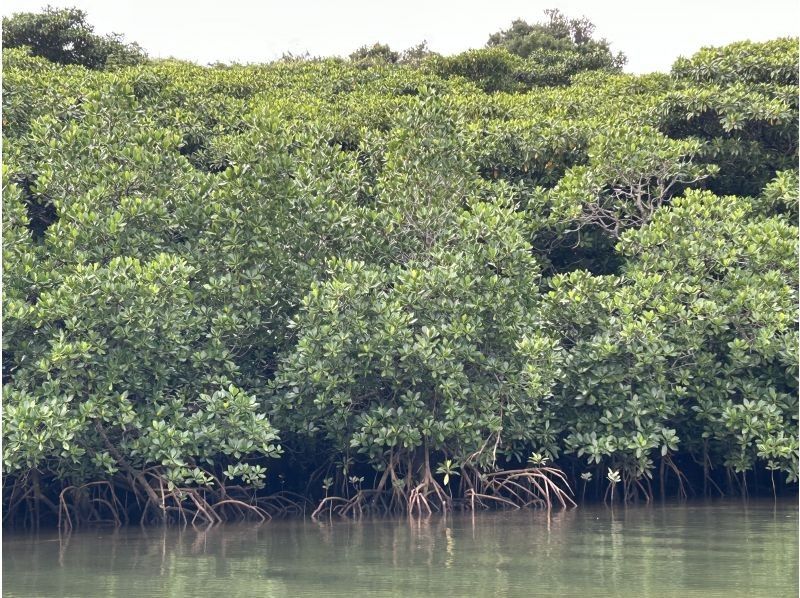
point(690, 549)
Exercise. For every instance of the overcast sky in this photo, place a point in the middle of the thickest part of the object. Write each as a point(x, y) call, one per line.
point(652, 34)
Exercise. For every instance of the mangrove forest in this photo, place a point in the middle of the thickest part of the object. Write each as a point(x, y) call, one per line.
point(394, 282)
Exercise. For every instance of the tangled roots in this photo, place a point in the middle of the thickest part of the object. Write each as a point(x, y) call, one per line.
point(533, 487)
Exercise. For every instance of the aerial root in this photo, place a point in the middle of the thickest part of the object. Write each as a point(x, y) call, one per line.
point(423, 499)
point(533, 487)
point(365, 501)
point(204, 508)
point(160, 502)
point(329, 504)
point(284, 504)
point(428, 496)
point(243, 508)
point(683, 481)
point(91, 503)
point(98, 503)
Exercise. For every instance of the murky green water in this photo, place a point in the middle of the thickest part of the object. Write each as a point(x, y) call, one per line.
point(674, 550)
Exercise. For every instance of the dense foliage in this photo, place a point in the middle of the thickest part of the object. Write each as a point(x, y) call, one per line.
point(559, 35)
point(368, 276)
point(63, 35)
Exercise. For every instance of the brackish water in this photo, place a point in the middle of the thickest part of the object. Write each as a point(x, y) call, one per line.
point(691, 549)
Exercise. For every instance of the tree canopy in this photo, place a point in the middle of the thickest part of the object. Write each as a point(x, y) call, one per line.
point(558, 34)
point(64, 36)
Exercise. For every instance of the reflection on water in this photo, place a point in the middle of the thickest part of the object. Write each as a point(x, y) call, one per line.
point(721, 549)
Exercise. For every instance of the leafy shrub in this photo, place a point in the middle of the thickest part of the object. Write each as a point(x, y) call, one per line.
point(773, 62)
point(65, 37)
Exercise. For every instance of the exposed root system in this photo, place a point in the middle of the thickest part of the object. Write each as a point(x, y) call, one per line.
point(144, 497)
point(284, 504)
point(532, 487)
point(403, 487)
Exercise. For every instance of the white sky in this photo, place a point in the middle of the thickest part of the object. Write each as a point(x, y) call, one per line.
point(651, 33)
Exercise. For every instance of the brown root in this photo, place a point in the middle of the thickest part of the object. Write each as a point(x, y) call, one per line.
point(428, 496)
point(93, 503)
point(243, 509)
point(393, 494)
point(365, 501)
point(284, 504)
point(532, 487)
point(540, 487)
point(683, 481)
